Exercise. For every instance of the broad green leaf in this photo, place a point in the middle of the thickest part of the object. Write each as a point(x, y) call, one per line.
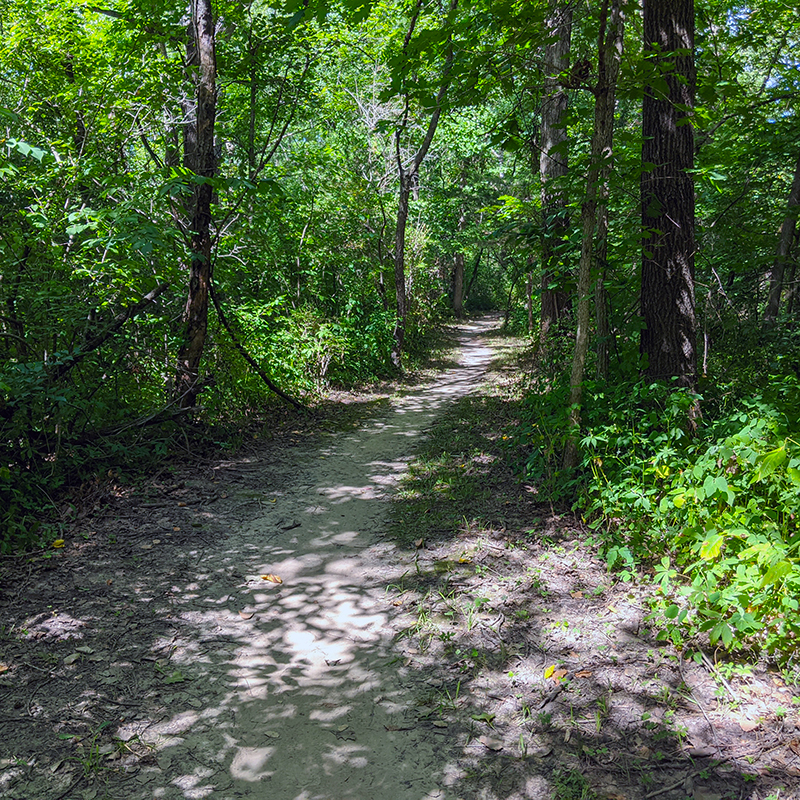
point(711, 547)
point(776, 572)
point(770, 462)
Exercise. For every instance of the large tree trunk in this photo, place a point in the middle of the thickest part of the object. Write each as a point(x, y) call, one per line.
point(553, 164)
point(199, 157)
point(667, 190)
point(785, 239)
point(594, 211)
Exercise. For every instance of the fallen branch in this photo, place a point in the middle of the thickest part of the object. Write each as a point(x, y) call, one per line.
point(246, 356)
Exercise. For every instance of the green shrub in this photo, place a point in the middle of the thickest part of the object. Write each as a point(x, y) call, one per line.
point(711, 516)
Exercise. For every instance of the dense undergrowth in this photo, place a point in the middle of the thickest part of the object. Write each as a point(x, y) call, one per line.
point(111, 418)
point(708, 515)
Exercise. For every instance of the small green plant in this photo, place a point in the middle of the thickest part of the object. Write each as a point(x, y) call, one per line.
point(91, 753)
point(571, 785)
point(448, 701)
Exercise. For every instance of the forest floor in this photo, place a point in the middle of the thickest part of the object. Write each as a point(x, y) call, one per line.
point(368, 609)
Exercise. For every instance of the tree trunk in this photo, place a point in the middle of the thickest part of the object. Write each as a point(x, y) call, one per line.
point(604, 333)
point(474, 274)
point(458, 285)
point(529, 297)
point(595, 206)
point(553, 164)
point(409, 177)
point(199, 157)
point(785, 239)
point(667, 298)
point(458, 264)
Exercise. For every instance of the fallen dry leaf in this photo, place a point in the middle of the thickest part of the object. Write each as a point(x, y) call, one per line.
point(576, 595)
point(584, 673)
point(272, 578)
point(419, 543)
point(3, 668)
point(795, 746)
point(439, 723)
point(558, 674)
point(491, 744)
point(181, 504)
point(246, 614)
point(748, 725)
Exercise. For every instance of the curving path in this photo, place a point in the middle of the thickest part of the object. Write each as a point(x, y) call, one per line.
point(296, 692)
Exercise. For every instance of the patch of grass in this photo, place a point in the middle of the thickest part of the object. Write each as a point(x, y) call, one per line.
point(570, 784)
point(460, 479)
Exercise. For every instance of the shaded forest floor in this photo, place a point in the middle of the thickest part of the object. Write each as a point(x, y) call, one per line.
point(353, 610)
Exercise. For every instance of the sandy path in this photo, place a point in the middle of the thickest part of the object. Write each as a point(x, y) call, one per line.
point(295, 690)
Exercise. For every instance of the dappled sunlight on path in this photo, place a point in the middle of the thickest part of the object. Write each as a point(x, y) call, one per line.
point(300, 692)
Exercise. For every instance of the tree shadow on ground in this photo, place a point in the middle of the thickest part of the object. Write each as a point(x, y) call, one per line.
point(549, 661)
point(253, 628)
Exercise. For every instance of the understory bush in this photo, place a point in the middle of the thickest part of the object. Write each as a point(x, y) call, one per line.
point(710, 515)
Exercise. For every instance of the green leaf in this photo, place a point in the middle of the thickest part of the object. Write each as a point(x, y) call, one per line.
point(711, 547)
point(776, 573)
point(770, 462)
point(671, 611)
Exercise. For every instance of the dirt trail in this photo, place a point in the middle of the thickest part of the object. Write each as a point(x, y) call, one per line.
point(253, 630)
point(283, 690)
point(305, 698)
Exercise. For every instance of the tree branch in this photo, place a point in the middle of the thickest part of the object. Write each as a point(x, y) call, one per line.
point(91, 343)
point(246, 356)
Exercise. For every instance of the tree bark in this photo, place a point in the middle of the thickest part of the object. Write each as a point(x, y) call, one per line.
point(667, 298)
point(474, 274)
point(458, 285)
point(409, 177)
point(198, 157)
point(594, 210)
point(553, 164)
point(458, 265)
point(785, 238)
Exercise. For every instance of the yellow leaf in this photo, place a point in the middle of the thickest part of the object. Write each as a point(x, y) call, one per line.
point(3, 668)
point(58, 543)
point(272, 578)
point(549, 671)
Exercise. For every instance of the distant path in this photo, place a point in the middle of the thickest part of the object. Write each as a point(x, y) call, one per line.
point(300, 694)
